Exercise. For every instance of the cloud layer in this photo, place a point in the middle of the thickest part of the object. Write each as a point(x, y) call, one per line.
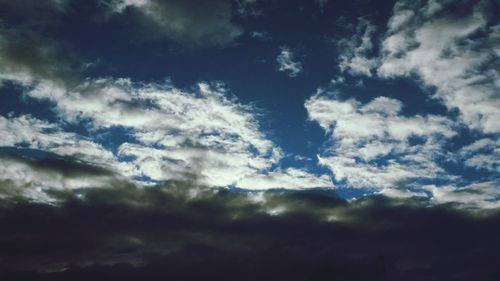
point(166, 231)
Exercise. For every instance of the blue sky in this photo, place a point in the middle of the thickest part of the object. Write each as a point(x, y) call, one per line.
point(398, 98)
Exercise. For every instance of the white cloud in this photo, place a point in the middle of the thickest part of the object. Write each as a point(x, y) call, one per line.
point(33, 180)
point(482, 195)
point(202, 135)
point(371, 142)
point(181, 131)
point(291, 178)
point(482, 154)
point(355, 51)
point(286, 62)
point(454, 55)
point(37, 134)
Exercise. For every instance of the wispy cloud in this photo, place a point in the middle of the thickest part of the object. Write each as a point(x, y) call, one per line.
point(356, 52)
point(287, 62)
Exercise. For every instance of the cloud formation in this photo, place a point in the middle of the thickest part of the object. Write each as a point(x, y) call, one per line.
point(356, 51)
point(458, 56)
point(287, 63)
point(174, 133)
point(202, 133)
point(371, 142)
point(190, 22)
point(164, 232)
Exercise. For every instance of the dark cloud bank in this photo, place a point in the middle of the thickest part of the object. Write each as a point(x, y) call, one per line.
point(180, 231)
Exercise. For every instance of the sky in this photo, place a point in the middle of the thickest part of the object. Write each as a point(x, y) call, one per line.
point(310, 121)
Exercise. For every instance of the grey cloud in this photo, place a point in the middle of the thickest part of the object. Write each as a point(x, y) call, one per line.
point(191, 23)
point(27, 57)
point(179, 231)
point(30, 12)
point(48, 162)
point(30, 174)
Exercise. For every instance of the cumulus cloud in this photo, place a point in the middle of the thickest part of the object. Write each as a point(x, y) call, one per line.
point(203, 133)
point(287, 63)
point(372, 142)
point(189, 22)
point(177, 132)
point(458, 56)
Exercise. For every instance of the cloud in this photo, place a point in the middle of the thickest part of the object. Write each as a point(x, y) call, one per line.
point(476, 195)
point(175, 133)
point(26, 131)
point(262, 36)
point(165, 231)
point(481, 154)
point(321, 3)
point(26, 57)
point(35, 174)
point(189, 23)
point(202, 133)
point(355, 52)
point(246, 8)
point(371, 143)
point(457, 56)
point(291, 178)
point(286, 62)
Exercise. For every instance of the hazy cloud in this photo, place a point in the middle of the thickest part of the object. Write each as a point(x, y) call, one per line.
point(189, 22)
point(287, 63)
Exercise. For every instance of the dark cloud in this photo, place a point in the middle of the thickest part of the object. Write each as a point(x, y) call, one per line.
point(31, 12)
point(48, 162)
point(177, 231)
point(190, 23)
point(27, 57)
